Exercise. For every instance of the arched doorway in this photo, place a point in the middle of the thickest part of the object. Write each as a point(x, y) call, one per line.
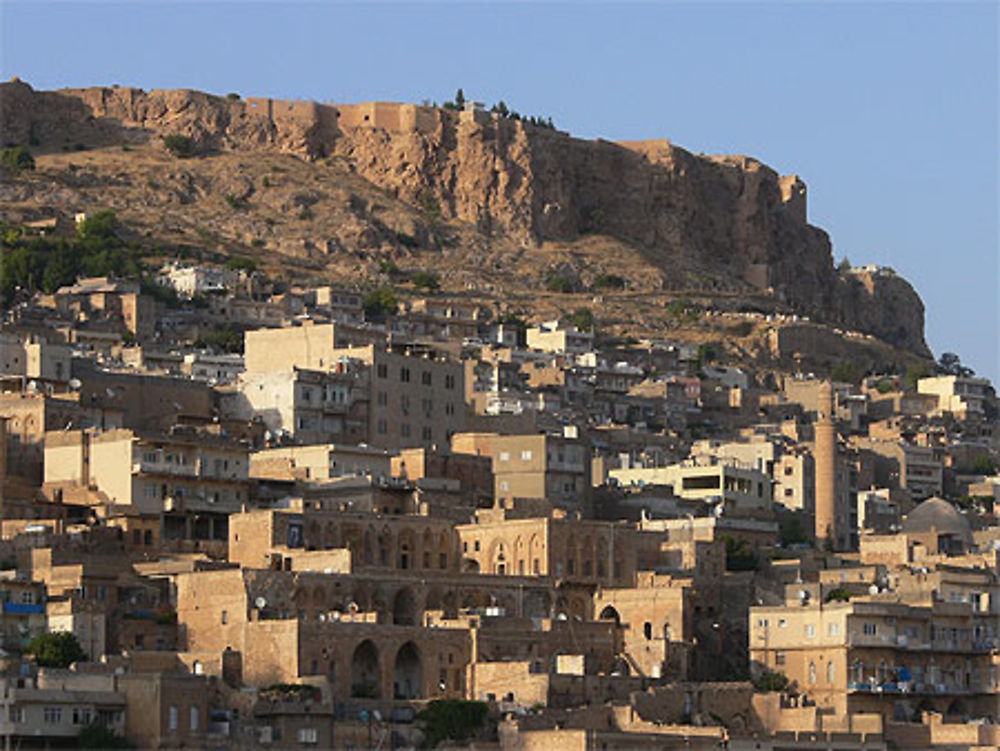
point(408, 676)
point(610, 614)
point(365, 676)
point(404, 608)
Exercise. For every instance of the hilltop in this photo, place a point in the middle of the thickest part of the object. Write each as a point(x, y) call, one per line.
point(524, 216)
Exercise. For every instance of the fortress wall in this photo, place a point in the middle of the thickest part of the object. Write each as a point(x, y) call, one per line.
point(793, 195)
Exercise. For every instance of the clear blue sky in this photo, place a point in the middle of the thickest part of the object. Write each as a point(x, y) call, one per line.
point(887, 111)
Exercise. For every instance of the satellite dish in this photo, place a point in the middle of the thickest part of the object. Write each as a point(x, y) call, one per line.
point(260, 602)
point(74, 383)
point(377, 715)
point(322, 618)
point(873, 589)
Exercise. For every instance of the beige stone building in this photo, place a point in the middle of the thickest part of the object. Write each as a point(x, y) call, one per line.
point(191, 481)
point(534, 466)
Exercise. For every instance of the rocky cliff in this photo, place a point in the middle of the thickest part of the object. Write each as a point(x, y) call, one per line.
point(731, 217)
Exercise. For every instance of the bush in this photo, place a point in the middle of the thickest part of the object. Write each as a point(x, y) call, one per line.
point(223, 339)
point(838, 594)
point(101, 225)
point(739, 556)
point(582, 318)
point(17, 158)
point(770, 680)
point(241, 263)
point(425, 280)
point(180, 146)
point(429, 203)
point(97, 735)
point(379, 302)
point(609, 281)
point(452, 720)
point(306, 214)
point(556, 282)
point(58, 649)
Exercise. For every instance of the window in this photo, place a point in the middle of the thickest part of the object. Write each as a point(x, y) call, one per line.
point(449, 381)
point(52, 715)
point(426, 434)
point(307, 735)
point(383, 426)
point(782, 623)
point(831, 672)
point(425, 379)
point(449, 408)
point(833, 629)
point(810, 631)
point(382, 370)
point(869, 629)
point(812, 673)
point(779, 658)
point(505, 456)
point(382, 398)
point(525, 456)
point(225, 617)
point(172, 717)
point(15, 714)
point(404, 375)
point(647, 628)
point(193, 717)
point(476, 545)
point(404, 429)
point(81, 716)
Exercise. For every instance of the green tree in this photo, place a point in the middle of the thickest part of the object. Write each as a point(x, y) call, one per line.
point(460, 100)
point(770, 680)
point(838, 594)
point(557, 282)
point(97, 735)
point(58, 649)
point(180, 146)
point(241, 263)
point(425, 280)
point(101, 225)
point(609, 281)
point(380, 302)
point(739, 556)
point(17, 158)
point(60, 270)
point(452, 720)
point(582, 318)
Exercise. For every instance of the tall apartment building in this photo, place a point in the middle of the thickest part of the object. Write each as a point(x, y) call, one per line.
point(876, 654)
point(416, 400)
point(311, 406)
point(538, 465)
point(191, 482)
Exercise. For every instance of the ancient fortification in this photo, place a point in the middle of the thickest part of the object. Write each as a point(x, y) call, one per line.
point(731, 214)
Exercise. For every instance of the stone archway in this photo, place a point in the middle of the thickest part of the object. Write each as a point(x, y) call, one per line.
point(408, 673)
point(611, 614)
point(365, 673)
point(404, 608)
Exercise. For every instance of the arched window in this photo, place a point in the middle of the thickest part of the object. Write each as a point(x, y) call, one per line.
point(830, 672)
point(812, 673)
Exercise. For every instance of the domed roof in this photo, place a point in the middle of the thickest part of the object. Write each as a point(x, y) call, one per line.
point(942, 516)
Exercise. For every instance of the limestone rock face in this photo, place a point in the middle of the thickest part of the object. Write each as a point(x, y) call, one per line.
point(731, 216)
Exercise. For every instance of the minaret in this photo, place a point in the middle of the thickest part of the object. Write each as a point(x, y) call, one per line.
point(825, 460)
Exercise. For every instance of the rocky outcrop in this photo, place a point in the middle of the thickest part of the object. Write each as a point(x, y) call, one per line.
point(729, 216)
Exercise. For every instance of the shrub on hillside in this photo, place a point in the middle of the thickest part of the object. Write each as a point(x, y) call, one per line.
point(17, 158)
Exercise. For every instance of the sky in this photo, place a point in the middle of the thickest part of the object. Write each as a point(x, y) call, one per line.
point(888, 111)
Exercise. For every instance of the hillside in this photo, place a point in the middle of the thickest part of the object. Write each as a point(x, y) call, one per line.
point(496, 208)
